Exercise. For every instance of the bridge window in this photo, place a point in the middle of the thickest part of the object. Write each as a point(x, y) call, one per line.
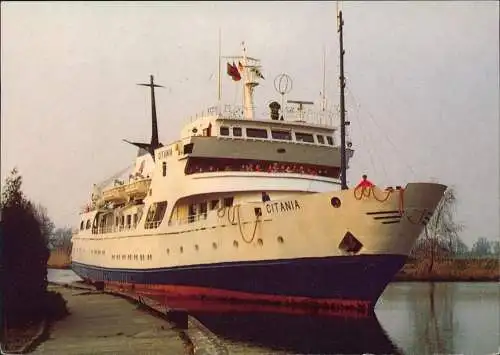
point(256, 133)
point(283, 135)
point(164, 168)
point(321, 139)
point(87, 226)
point(155, 214)
point(329, 140)
point(304, 137)
point(81, 225)
point(224, 131)
point(237, 132)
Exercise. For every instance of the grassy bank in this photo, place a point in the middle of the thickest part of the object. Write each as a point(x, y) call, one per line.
point(26, 325)
point(59, 259)
point(450, 270)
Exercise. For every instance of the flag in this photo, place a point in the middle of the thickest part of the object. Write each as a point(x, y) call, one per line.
point(233, 72)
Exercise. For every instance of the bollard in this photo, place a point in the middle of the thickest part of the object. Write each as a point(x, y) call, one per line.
point(99, 285)
point(179, 317)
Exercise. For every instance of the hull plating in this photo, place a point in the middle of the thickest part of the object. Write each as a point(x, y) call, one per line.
point(327, 280)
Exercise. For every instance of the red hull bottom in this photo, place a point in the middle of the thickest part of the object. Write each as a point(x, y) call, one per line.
point(197, 298)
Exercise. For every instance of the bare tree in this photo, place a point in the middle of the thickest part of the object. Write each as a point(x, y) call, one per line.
point(61, 239)
point(441, 232)
point(482, 247)
point(46, 224)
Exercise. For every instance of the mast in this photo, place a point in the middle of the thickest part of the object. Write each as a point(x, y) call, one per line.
point(219, 81)
point(343, 123)
point(154, 143)
point(323, 101)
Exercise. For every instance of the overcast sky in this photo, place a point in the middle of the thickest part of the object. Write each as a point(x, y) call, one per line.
point(422, 87)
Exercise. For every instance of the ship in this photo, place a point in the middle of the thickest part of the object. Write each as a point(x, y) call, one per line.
point(253, 207)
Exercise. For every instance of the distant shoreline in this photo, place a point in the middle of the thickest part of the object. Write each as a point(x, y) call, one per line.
point(450, 270)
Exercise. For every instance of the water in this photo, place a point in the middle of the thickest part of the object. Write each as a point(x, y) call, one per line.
point(411, 318)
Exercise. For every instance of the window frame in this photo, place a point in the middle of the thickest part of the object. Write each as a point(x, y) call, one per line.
point(303, 134)
point(224, 128)
point(255, 130)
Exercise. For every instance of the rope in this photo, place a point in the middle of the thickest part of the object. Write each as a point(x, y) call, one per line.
point(223, 209)
point(241, 231)
point(229, 217)
point(370, 116)
point(368, 191)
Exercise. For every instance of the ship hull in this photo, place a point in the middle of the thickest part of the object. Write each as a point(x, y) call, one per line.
point(328, 281)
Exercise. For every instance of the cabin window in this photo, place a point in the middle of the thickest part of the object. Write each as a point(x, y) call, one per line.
point(224, 131)
point(135, 219)
point(191, 213)
point(155, 214)
point(188, 148)
point(228, 201)
point(214, 204)
point(122, 221)
point(116, 221)
point(87, 226)
point(304, 137)
point(164, 168)
point(237, 132)
point(283, 135)
point(203, 209)
point(129, 220)
point(81, 225)
point(256, 133)
point(321, 139)
point(329, 139)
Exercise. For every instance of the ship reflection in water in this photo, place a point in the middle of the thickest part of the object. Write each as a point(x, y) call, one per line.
point(280, 329)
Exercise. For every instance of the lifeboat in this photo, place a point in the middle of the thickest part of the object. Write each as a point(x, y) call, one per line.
point(137, 189)
point(115, 194)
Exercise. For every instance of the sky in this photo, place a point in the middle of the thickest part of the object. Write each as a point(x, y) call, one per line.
point(422, 87)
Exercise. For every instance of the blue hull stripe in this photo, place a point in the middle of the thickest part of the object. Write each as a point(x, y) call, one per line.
point(360, 277)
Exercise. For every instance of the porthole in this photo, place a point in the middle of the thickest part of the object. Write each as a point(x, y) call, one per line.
point(181, 249)
point(280, 239)
point(214, 245)
point(335, 201)
point(196, 247)
point(168, 251)
point(260, 242)
point(235, 244)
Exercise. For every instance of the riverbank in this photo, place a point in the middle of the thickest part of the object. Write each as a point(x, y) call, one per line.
point(448, 270)
point(59, 259)
point(26, 325)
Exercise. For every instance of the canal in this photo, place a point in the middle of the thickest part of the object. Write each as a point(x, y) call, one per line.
point(411, 318)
